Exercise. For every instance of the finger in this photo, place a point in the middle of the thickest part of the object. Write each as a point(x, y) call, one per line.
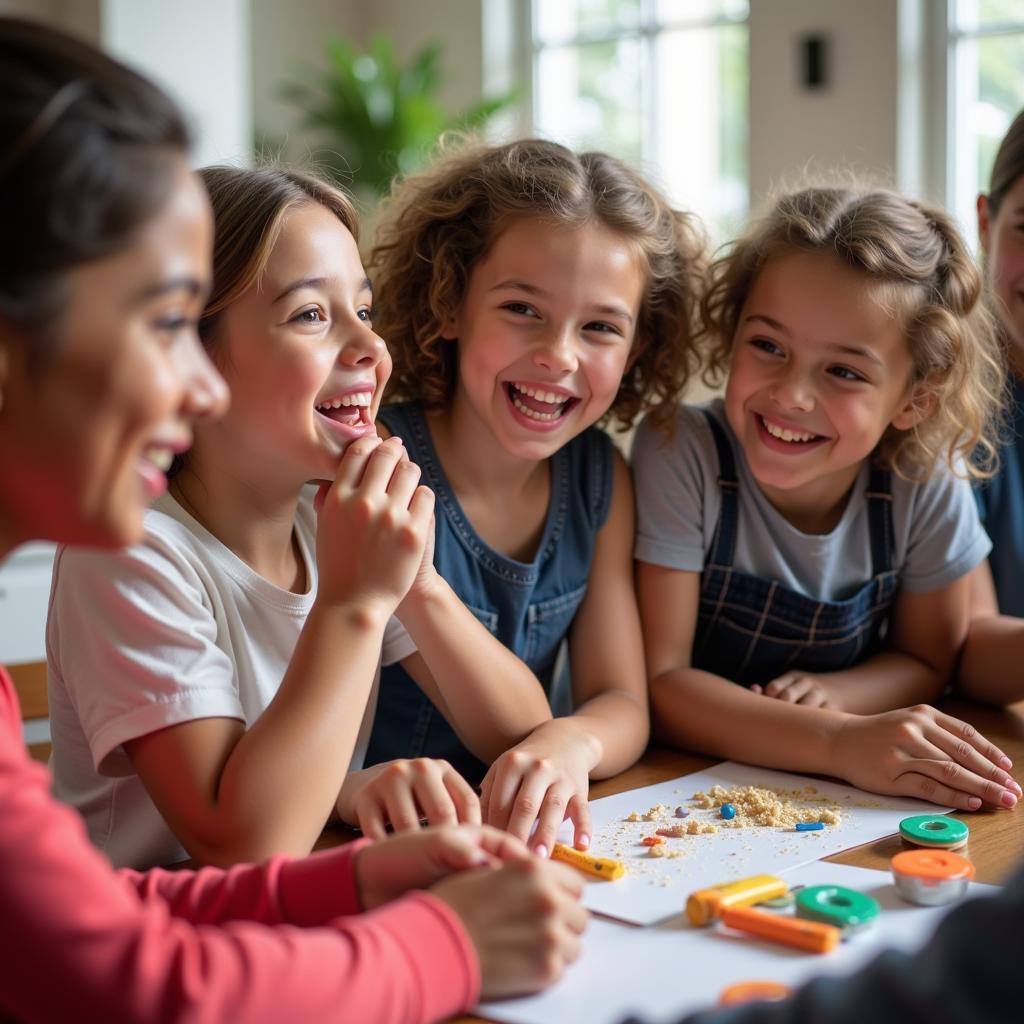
point(549, 820)
point(321, 494)
point(462, 848)
point(502, 845)
point(579, 811)
point(370, 816)
point(402, 810)
point(799, 689)
point(467, 805)
point(433, 798)
point(380, 467)
point(507, 778)
point(485, 796)
point(813, 698)
point(421, 508)
point(962, 767)
point(756, 688)
point(779, 685)
point(566, 878)
point(354, 461)
point(920, 783)
point(968, 734)
point(403, 483)
point(527, 803)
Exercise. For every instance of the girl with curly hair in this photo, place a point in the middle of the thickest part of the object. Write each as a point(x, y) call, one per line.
point(528, 294)
point(810, 536)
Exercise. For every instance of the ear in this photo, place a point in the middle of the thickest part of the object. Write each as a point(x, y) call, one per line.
point(919, 405)
point(449, 327)
point(984, 222)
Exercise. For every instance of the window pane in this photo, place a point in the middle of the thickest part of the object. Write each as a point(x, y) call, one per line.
point(588, 97)
point(701, 118)
point(975, 14)
point(696, 12)
point(990, 92)
point(564, 20)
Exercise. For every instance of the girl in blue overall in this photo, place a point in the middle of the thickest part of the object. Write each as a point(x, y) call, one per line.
point(528, 293)
point(810, 536)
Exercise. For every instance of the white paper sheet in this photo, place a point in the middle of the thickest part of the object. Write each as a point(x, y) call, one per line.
point(654, 889)
point(663, 971)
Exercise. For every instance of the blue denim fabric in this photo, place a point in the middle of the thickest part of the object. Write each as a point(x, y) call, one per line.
point(529, 607)
point(751, 630)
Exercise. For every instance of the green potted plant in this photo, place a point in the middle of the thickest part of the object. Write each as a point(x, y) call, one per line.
point(380, 119)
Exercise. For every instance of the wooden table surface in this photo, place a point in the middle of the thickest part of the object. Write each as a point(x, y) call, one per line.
point(996, 845)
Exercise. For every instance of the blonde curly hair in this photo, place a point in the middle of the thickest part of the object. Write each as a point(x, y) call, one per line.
point(928, 279)
point(438, 225)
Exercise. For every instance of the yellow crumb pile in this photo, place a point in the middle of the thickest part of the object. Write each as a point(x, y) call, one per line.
point(770, 807)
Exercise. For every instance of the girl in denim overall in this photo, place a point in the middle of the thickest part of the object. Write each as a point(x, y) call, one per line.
point(810, 536)
point(528, 293)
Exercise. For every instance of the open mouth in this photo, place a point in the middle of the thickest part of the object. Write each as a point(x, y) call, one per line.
point(787, 435)
point(348, 410)
point(538, 404)
point(159, 456)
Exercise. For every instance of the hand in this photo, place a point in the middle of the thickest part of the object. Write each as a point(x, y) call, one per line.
point(415, 860)
point(405, 792)
point(921, 752)
point(372, 526)
point(545, 779)
point(797, 688)
point(524, 919)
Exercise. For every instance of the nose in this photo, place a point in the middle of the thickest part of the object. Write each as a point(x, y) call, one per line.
point(792, 390)
point(556, 351)
point(362, 347)
point(206, 395)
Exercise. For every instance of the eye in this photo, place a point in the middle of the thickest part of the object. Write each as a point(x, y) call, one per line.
point(845, 373)
point(170, 327)
point(313, 315)
point(365, 314)
point(766, 346)
point(520, 308)
point(602, 327)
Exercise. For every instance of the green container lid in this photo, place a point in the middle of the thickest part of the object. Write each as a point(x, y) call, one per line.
point(845, 908)
point(934, 830)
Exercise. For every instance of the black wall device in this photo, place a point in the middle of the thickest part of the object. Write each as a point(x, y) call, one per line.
point(814, 62)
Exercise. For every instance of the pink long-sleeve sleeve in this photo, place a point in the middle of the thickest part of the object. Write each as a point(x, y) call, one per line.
point(79, 941)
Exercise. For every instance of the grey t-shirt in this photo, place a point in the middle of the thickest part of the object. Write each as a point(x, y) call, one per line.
point(937, 535)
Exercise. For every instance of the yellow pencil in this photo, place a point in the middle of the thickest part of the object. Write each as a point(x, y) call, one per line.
point(599, 867)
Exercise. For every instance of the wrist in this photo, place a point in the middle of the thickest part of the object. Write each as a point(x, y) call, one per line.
point(566, 731)
point(365, 614)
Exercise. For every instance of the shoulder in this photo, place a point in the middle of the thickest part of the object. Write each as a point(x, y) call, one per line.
point(589, 461)
point(398, 418)
point(685, 447)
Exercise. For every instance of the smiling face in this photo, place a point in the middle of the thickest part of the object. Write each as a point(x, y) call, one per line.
point(85, 437)
point(298, 350)
point(1002, 240)
point(819, 371)
point(544, 334)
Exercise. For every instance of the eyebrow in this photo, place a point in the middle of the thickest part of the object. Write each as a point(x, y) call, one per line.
point(190, 284)
point(837, 346)
point(315, 282)
point(612, 309)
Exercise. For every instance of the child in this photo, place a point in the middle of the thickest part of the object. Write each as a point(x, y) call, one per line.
point(808, 537)
point(529, 293)
point(104, 264)
point(995, 643)
point(245, 640)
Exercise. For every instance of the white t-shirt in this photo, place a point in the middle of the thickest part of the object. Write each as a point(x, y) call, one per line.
point(174, 629)
point(937, 537)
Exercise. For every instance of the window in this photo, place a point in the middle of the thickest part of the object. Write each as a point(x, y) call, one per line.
point(662, 84)
point(985, 90)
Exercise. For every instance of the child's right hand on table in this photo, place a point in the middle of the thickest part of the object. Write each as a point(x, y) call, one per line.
point(405, 792)
point(921, 752)
point(373, 522)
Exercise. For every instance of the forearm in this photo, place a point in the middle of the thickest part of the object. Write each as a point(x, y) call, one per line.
point(704, 712)
point(884, 682)
point(280, 782)
point(490, 697)
point(992, 663)
point(617, 726)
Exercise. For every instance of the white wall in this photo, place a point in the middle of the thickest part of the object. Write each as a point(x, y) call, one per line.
point(852, 122)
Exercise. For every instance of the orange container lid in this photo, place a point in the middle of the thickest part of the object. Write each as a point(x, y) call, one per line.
point(933, 865)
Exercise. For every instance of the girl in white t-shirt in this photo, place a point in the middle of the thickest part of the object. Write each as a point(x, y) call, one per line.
point(211, 689)
point(808, 538)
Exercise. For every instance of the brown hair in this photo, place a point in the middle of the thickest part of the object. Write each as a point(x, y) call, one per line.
point(439, 224)
point(915, 253)
point(1008, 166)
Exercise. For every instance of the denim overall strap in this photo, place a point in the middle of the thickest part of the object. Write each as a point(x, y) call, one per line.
point(879, 499)
point(723, 544)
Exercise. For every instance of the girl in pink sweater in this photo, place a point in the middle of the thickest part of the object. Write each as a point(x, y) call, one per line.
point(104, 266)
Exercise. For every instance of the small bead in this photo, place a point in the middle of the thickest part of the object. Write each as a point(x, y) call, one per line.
point(682, 812)
point(728, 811)
point(809, 826)
point(652, 840)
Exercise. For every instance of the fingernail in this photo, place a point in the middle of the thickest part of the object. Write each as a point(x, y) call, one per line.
point(1005, 763)
point(541, 850)
point(583, 841)
point(1012, 784)
point(973, 803)
point(1008, 799)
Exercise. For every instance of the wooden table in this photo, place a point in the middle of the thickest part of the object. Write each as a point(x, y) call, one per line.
point(997, 837)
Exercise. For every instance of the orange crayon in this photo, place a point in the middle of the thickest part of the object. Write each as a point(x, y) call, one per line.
point(599, 867)
point(814, 936)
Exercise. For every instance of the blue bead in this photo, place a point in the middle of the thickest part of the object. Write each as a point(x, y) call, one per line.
point(810, 826)
point(728, 811)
